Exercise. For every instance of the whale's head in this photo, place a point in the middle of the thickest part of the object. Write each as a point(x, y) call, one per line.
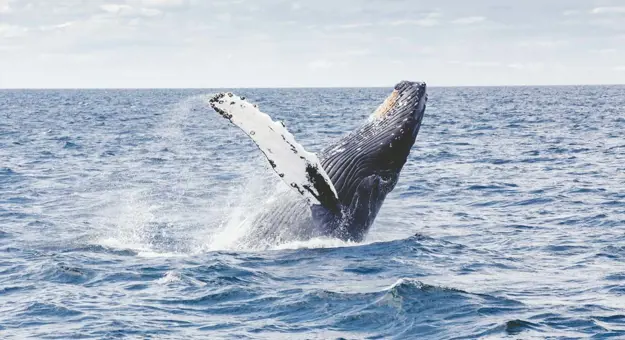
point(385, 140)
point(364, 166)
point(406, 103)
point(394, 127)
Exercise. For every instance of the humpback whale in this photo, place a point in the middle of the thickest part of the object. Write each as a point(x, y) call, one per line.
point(339, 192)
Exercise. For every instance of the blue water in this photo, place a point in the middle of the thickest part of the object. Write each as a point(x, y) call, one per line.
point(119, 212)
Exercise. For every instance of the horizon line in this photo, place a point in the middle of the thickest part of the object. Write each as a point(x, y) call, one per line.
point(295, 87)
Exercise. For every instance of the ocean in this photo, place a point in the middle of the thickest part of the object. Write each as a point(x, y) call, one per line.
point(120, 211)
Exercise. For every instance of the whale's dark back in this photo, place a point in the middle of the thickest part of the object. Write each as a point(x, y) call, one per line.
point(364, 166)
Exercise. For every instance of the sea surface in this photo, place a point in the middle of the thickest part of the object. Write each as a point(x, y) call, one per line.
point(120, 211)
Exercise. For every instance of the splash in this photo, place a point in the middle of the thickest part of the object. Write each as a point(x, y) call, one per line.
point(198, 204)
point(239, 209)
point(319, 242)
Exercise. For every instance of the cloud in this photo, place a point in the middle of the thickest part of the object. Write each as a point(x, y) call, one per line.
point(150, 12)
point(4, 6)
point(320, 64)
point(398, 40)
point(12, 31)
point(604, 50)
point(127, 10)
point(56, 27)
point(429, 20)
point(359, 52)
point(476, 63)
point(163, 3)
point(571, 12)
point(610, 23)
point(424, 22)
point(544, 43)
point(620, 68)
point(358, 25)
point(608, 10)
point(468, 20)
point(171, 43)
point(527, 66)
point(120, 9)
point(224, 17)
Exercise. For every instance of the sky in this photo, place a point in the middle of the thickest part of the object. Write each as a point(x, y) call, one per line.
point(309, 43)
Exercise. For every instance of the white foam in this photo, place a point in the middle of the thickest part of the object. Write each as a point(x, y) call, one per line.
point(314, 243)
point(170, 276)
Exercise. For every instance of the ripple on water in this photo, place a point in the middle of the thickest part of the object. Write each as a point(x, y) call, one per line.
point(4, 234)
point(48, 310)
point(64, 273)
point(113, 202)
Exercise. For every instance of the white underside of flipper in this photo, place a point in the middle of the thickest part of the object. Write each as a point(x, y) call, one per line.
point(297, 167)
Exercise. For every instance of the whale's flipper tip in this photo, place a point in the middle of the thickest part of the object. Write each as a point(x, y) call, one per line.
point(298, 168)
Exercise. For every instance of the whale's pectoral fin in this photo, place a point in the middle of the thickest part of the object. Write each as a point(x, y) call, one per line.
point(297, 167)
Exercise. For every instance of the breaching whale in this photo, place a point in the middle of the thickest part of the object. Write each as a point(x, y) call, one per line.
point(339, 192)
